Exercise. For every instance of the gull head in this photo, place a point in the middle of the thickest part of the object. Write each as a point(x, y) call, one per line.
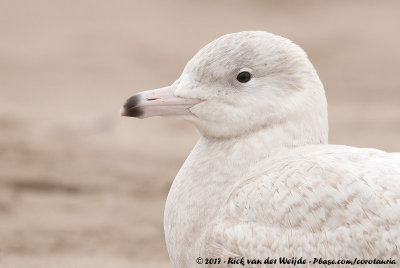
point(241, 83)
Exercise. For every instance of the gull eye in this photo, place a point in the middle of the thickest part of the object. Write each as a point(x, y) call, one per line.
point(244, 77)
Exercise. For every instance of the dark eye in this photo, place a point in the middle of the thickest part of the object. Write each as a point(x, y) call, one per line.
point(244, 77)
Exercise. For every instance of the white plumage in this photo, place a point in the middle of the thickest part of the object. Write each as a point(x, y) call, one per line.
point(262, 181)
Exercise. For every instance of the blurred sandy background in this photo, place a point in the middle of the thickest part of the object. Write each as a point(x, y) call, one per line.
point(81, 186)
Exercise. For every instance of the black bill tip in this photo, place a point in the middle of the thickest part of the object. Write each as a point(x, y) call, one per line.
point(133, 112)
point(130, 109)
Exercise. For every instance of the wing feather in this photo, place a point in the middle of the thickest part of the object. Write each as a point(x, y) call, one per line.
point(316, 201)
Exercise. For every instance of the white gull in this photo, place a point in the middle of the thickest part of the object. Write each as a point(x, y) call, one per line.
point(262, 180)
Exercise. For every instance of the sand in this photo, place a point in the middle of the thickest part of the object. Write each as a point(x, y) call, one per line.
point(81, 186)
